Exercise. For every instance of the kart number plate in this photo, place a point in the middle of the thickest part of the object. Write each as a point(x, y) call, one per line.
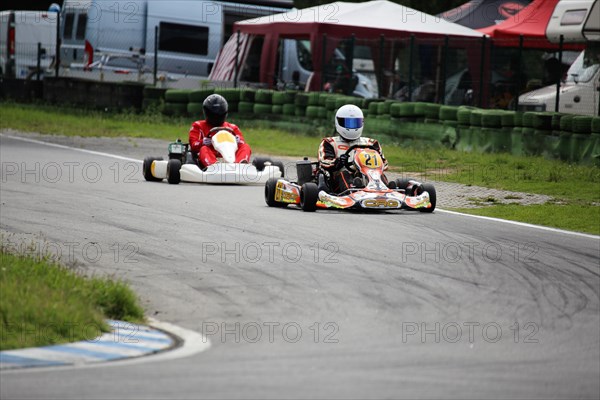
point(175, 148)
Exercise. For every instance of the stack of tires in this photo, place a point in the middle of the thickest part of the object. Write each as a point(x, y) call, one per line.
point(263, 103)
point(246, 104)
point(194, 107)
point(176, 102)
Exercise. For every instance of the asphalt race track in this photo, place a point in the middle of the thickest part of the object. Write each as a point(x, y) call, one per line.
point(321, 305)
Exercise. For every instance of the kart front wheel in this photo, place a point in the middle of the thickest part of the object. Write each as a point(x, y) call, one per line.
point(428, 187)
point(270, 188)
point(173, 175)
point(147, 169)
point(309, 195)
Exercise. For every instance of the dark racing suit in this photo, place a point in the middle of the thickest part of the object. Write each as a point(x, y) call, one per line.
point(207, 155)
point(331, 148)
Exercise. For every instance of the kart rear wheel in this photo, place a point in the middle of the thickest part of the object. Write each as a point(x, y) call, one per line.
point(173, 167)
point(309, 195)
point(147, 169)
point(432, 196)
point(270, 187)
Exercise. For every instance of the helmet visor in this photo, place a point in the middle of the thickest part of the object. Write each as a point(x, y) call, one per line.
point(350, 123)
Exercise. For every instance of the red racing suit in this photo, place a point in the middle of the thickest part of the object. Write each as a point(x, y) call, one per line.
point(207, 155)
point(331, 148)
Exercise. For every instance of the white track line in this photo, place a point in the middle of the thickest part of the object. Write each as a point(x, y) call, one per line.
point(506, 221)
point(61, 146)
point(524, 224)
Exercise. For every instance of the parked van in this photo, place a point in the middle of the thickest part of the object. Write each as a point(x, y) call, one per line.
point(190, 33)
point(20, 33)
point(578, 21)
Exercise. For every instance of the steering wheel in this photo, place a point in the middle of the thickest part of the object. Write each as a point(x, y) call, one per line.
point(350, 165)
point(221, 128)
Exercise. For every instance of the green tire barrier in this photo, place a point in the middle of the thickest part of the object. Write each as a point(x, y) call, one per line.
point(507, 119)
point(518, 118)
point(527, 121)
point(151, 92)
point(175, 109)
point(231, 95)
point(281, 98)
point(261, 109)
point(407, 110)
point(556, 121)
point(533, 141)
point(263, 96)
point(582, 124)
point(463, 115)
point(289, 109)
point(177, 96)
point(563, 147)
point(448, 113)
point(395, 110)
point(300, 111)
point(247, 95)
point(322, 112)
point(312, 112)
point(463, 136)
point(594, 156)
point(491, 119)
point(566, 123)
point(420, 110)
point(195, 109)
point(579, 144)
point(596, 125)
point(476, 116)
point(373, 107)
point(551, 147)
point(198, 96)
point(432, 111)
point(541, 120)
point(245, 107)
point(302, 99)
point(331, 103)
point(322, 99)
point(276, 109)
point(383, 108)
point(312, 99)
point(516, 141)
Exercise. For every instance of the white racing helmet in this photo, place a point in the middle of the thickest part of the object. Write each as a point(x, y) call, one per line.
point(349, 122)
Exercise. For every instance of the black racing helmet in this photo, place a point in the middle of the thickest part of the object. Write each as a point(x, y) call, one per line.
point(215, 109)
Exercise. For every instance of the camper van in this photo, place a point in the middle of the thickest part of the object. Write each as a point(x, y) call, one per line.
point(578, 21)
point(121, 34)
point(20, 33)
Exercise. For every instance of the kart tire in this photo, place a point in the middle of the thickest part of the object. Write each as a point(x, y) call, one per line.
point(281, 167)
point(147, 169)
point(402, 183)
point(309, 194)
point(173, 167)
point(270, 194)
point(432, 197)
point(259, 163)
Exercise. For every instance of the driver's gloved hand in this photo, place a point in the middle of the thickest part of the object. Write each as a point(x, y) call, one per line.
point(342, 161)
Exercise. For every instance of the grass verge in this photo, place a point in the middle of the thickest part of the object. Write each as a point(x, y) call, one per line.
point(43, 302)
point(573, 187)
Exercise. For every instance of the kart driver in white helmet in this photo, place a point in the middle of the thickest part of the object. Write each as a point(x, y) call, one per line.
point(349, 122)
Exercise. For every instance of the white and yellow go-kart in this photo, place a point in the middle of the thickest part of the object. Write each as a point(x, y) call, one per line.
point(181, 167)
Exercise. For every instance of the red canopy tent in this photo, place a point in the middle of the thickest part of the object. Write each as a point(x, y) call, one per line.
point(366, 21)
point(530, 22)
